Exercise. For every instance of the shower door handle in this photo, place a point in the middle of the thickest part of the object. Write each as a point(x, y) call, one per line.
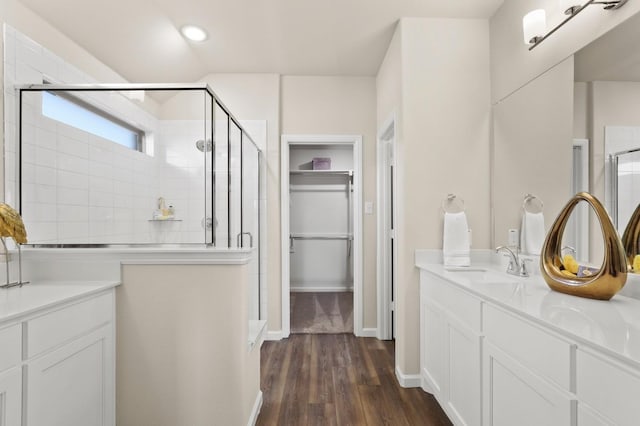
point(240, 239)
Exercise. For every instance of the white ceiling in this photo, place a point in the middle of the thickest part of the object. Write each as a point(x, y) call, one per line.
point(140, 39)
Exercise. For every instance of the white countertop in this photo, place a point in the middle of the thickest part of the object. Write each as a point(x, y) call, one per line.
point(611, 326)
point(20, 301)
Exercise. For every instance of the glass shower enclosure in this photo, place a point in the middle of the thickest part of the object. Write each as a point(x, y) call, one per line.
point(134, 165)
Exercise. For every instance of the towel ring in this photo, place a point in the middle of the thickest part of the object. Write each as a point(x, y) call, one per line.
point(532, 200)
point(451, 201)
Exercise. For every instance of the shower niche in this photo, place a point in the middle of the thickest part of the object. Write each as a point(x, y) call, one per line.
point(132, 165)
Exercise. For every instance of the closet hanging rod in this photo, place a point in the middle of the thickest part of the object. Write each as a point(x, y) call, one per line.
point(321, 237)
point(321, 172)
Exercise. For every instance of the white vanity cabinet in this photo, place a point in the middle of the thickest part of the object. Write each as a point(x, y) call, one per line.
point(516, 353)
point(526, 372)
point(10, 374)
point(450, 348)
point(607, 390)
point(70, 365)
point(57, 364)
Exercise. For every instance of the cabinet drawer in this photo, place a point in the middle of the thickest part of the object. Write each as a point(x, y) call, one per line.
point(540, 351)
point(608, 387)
point(458, 303)
point(54, 328)
point(11, 344)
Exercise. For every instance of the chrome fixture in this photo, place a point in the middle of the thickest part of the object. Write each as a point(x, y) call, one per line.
point(534, 23)
point(240, 242)
point(516, 265)
point(200, 144)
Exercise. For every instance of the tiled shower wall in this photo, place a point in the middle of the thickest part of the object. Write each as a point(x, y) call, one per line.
point(80, 188)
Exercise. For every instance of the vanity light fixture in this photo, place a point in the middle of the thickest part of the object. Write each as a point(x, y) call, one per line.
point(533, 23)
point(194, 33)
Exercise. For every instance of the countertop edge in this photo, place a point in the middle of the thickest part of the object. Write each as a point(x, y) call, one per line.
point(438, 269)
point(92, 288)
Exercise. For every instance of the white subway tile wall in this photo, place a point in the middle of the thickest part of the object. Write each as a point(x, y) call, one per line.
point(79, 188)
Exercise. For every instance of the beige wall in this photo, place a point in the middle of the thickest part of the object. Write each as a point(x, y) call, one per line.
point(580, 103)
point(341, 105)
point(443, 146)
point(611, 103)
point(513, 65)
point(182, 354)
point(389, 85)
point(533, 148)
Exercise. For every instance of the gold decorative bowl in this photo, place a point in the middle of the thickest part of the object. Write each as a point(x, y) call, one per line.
point(631, 238)
point(605, 282)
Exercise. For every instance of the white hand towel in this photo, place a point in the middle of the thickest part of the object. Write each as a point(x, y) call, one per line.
point(532, 233)
point(456, 246)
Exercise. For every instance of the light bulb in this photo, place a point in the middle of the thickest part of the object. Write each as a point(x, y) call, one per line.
point(194, 33)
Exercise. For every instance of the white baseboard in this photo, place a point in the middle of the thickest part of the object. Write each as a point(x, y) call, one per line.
point(369, 332)
point(407, 380)
point(272, 336)
point(257, 405)
point(319, 289)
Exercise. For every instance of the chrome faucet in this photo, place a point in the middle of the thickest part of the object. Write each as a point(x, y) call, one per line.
point(516, 266)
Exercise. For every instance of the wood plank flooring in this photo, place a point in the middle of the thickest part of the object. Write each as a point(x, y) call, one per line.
point(338, 379)
point(327, 313)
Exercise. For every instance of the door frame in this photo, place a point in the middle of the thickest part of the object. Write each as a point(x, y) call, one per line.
point(287, 140)
point(387, 136)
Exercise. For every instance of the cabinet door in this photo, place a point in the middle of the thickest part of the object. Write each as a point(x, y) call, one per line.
point(11, 397)
point(513, 395)
point(73, 385)
point(434, 363)
point(464, 375)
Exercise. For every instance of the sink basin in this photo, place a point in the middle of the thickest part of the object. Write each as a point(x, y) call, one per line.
point(481, 275)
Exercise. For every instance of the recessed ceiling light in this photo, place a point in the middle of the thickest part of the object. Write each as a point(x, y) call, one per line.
point(193, 33)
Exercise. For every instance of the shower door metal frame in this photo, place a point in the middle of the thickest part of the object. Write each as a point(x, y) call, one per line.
point(154, 87)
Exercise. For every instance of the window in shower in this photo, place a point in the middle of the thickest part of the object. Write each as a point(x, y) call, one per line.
point(77, 113)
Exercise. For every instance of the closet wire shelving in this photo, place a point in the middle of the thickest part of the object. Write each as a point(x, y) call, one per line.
point(309, 236)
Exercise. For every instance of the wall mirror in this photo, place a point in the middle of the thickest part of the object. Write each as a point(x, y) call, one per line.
point(607, 105)
point(586, 106)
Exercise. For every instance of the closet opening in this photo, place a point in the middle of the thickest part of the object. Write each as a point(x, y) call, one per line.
point(321, 234)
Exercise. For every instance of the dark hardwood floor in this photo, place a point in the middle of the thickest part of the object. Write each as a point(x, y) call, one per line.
point(338, 379)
